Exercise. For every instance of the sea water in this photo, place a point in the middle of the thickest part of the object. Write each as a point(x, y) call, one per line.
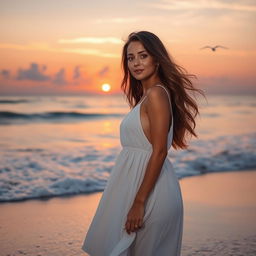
point(60, 145)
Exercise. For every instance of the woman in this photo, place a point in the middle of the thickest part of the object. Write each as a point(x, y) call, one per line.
point(141, 208)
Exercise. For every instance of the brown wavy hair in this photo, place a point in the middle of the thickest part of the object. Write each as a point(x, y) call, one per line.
point(175, 79)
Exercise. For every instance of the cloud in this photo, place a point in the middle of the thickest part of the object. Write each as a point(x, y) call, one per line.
point(32, 73)
point(103, 71)
point(78, 79)
point(44, 67)
point(91, 40)
point(204, 4)
point(13, 46)
point(118, 20)
point(94, 52)
point(5, 73)
point(59, 77)
point(81, 51)
point(76, 73)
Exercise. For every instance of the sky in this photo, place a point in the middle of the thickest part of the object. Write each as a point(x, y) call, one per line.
point(72, 47)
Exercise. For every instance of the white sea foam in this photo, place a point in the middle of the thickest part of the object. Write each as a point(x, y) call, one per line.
point(38, 173)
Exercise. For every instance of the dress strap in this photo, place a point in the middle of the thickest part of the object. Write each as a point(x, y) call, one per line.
point(167, 95)
point(142, 99)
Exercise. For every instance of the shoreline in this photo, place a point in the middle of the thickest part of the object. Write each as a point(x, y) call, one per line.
point(219, 219)
point(47, 198)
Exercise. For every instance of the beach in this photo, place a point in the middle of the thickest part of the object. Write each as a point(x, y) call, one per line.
point(219, 219)
point(57, 153)
point(73, 75)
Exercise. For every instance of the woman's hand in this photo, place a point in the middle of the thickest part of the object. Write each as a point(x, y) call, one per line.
point(135, 217)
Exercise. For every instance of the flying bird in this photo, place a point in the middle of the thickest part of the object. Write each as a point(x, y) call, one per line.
point(214, 48)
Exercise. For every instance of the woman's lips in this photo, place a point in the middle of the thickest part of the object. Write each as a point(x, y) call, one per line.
point(138, 71)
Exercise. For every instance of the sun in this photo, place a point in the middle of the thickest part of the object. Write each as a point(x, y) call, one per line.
point(106, 87)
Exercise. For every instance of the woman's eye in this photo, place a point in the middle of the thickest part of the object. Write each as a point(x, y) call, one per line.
point(143, 56)
point(129, 58)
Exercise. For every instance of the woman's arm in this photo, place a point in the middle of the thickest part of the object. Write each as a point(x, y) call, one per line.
point(159, 113)
point(158, 109)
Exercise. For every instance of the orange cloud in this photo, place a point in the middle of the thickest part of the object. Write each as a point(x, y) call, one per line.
point(199, 4)
point(91, 40)
point(44, 47)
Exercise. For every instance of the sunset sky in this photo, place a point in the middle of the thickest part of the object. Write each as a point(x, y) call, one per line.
point(57, 47)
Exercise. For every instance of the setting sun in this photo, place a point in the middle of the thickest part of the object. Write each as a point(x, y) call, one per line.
point(106, 87)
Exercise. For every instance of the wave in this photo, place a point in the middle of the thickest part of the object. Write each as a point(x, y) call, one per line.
point(222, 154)
point(6, 116)
point(28, 173)
point(13, 101)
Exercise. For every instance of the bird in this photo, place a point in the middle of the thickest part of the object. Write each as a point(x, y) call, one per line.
point(214, 48)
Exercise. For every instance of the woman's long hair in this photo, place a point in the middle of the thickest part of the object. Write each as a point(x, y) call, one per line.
point(173, 77)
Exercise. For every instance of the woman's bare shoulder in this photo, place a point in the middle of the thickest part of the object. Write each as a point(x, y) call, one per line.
point(157, 95)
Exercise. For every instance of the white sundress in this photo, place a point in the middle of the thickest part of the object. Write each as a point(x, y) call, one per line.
point(163, 218)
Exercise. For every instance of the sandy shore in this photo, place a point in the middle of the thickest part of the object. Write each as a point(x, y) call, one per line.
point(219, 219)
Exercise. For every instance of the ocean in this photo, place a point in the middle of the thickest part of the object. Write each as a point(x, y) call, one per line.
point(66, 145)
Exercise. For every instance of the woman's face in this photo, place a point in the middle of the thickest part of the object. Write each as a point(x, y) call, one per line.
point(141, 65)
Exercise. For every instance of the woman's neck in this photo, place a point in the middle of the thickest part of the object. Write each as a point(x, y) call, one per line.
point(150, 83)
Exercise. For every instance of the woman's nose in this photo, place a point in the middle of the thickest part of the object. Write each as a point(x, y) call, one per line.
point(136, 61)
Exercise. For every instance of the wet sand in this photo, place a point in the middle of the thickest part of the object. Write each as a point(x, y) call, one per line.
point(219, 219)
